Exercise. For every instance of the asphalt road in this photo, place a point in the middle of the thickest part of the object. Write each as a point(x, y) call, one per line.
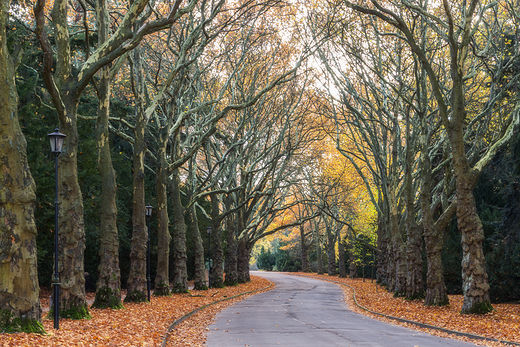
point(305, 312)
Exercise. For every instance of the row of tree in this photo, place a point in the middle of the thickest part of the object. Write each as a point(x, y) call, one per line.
point(422, 96)
point(204, 97)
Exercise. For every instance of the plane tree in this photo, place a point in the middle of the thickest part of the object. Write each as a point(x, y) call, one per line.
point(20, 308)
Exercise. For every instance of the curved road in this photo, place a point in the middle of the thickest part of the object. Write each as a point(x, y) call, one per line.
point(305, 312)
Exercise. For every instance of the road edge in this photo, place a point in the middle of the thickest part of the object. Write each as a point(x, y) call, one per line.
point(189, 314)
point(419, 324)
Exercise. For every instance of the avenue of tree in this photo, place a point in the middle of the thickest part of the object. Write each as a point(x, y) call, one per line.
point(339, 127)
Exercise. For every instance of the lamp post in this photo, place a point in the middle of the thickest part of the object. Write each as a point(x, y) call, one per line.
point(148, 216)
point(56, 138)
point(208, 229)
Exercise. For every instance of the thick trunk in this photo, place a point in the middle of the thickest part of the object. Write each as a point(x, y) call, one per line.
point(306, 266)
point(244, 254)
point(180, 270)
point(73, 302)
point(436, 294)
point(341, 257)
point(474, 276)
point(217, 254)
point(200, 268)
point(162, 281)
point(231, 277)
point(137, 285)
point(414, 276)
point(331, 252)
point(108, 287)
point(19, 287)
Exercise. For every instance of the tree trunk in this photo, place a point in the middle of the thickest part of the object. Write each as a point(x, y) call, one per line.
point(319, 260)
point(231, 277)
point(19, 289)
point(397, 283)
point(73, 302)
point(474, 276)
point(217, 254)
point(331, 252)
point(244, 254)
point(352, 262)
point(341, 257)
point(137, 286)
point(200, 268)
point(382, 274)
point(436, 293)
point(414, 277)
point(108, 287)
point(306, 266)
point(162, 279)
point(180, 270)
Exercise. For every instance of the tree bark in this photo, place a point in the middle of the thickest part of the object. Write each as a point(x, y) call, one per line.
point(306, 266)
point(137, 285)
point(341, 256)
point(230, 268)
point(200, 268)
point(19, 288)
point(436, 293)
point(162, 277)
point(397, 283)
point(414, 278)
point(382, 245)
point(244, 254)
point(319, 260)
point(180, 258)
point(73, 301)
point(352, 262)
point(474, 276)
point(217, 254)
point(108, 286)
point(331, 251)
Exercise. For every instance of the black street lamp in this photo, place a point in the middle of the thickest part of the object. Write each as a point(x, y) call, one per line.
point(208, 229)
point(56, 138)
point(148, 216)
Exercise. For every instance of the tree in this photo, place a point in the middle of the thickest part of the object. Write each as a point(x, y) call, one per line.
point(108, 286)
point(19, 301)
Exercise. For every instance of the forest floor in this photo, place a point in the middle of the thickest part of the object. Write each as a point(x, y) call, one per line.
point(151, 324)
point(143, 324)
point(501, 324)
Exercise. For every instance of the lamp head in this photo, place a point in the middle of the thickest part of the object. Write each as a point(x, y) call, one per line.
point(148, 210)
point(56, 138)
